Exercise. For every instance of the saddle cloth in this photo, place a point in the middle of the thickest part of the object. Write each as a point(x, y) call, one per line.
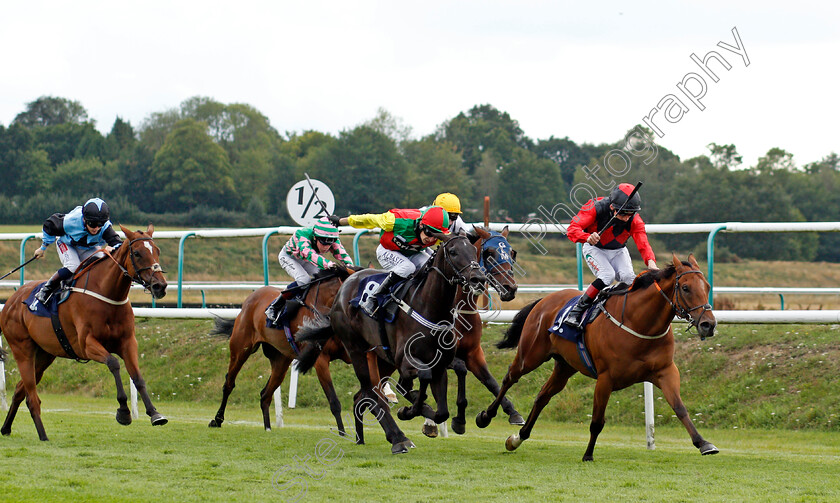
point(572, 334)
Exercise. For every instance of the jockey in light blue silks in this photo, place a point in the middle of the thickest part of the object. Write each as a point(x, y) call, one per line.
point(78, 235)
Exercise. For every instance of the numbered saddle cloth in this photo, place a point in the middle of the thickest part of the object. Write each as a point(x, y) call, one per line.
point(369, 284)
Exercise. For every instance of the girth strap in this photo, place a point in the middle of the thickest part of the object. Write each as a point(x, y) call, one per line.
point(62, 339)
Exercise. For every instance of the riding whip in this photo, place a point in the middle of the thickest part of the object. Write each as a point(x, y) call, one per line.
point(610, 221)
point(16, 268)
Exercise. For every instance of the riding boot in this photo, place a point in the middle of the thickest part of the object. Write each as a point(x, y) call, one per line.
point(369, 304)
point(274, 310)
point(49, 288)
point(575, 316)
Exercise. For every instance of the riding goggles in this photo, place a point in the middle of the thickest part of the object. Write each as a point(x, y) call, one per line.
point(326, 241)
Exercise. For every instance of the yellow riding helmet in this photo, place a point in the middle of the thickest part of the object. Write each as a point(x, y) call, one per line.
point(449, 202)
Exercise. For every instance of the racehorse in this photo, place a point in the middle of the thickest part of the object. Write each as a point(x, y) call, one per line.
point(97, 322)
point(632, 342)
point(249, 332)
point(495, 256)
point(420, 342)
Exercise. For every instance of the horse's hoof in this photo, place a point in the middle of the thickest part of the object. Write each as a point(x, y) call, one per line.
point(430, 430)
point(513, 442)
point(123, 417)
point(268, 430)
point(459, 426)
point(360, 441)
point(401, 447)
point(482, 420)
point(214, 423)
point(6, 432)
point(587, 458)
point(403, 415)
point(159, 420)
point(708, 448)
point(516, 419)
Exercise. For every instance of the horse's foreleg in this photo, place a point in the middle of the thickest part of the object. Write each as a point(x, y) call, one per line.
point(279, 365)
point(603, 390)
point(555, 384)
point(322, 369)
point(459, 421)
point(438, 385)
point(518, 368)
point(128, 352)
point(477, 364)
point(368, 398)
point(669, 382)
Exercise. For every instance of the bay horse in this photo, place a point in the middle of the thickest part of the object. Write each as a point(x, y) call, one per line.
point(495, 256)
point(632, 342)
point(248, 332)
point(97, 320)
point(420, 341)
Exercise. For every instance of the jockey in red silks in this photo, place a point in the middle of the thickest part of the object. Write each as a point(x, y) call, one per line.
point(606, 253)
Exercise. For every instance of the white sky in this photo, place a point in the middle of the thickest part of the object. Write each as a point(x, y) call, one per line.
point(589, 72)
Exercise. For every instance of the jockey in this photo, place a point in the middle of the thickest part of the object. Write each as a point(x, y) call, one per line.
point(452, 205)
point(606, 253)
point(302, 256)
point(406, 233)
point(79, 234)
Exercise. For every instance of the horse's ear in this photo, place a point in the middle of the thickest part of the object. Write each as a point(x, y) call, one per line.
point(505, 231)
point(676, 261)
point(693, 261)
point(128, 234)
point(441, 236)
point(481, 231)
point(150, 230)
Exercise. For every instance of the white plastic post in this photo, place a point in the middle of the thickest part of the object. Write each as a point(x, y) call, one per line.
point(293, 388)
point(278, 407)
point(651, 444)
point(134, 413)
point(3, 402)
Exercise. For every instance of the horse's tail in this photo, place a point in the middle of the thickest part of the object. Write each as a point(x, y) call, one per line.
point(316, 332)
point(511, 338)
point(223, 327)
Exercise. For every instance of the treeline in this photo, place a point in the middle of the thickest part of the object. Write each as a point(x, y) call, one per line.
point(207, 163)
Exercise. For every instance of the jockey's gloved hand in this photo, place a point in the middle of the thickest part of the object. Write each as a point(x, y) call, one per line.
point(334, 219)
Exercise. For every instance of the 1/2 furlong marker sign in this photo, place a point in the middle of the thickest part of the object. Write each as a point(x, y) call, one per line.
point(303, 205)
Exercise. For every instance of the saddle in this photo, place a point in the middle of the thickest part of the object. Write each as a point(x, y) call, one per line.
point(386, 302)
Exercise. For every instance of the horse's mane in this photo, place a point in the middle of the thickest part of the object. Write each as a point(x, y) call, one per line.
point(340, 272)
point(647, 278)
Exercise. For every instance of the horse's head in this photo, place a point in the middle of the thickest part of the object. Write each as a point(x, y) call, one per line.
point(496, 258)
point(141, 260)
point(455, 260)
point(691, 296)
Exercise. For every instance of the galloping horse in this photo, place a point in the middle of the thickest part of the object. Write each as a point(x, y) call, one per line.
point(97, 322)
point(421, 341)
point(631, 343)
point(248, 332)
point(495, 256)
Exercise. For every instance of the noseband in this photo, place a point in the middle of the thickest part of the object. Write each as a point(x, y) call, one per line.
point(679, 302)
point(136, 278)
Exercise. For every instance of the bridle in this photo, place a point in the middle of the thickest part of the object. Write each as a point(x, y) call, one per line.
point(458, 277)
point(136, 278)
point(678, 303)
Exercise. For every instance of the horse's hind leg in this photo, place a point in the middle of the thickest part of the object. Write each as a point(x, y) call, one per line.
point(555, 384)
point(238, 356)
point(477, 364)
point(322, 369)
point(42, 361)
point(518, 368)
point(669, 382)
point(128, 352)
point(279, 365)
point(26, 367)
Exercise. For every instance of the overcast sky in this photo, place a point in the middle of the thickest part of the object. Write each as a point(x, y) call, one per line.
point(589, 72)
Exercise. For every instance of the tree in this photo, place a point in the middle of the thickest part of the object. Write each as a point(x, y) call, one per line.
point(121, 138)
point(24, 168)
point(392, 127)
point(51, 111)
point(528, 182)
point(565, 153)
point(435, 167)
point(724, 157)
point(191, 170)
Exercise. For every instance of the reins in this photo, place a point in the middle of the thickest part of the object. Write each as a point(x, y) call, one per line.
point(136, 278)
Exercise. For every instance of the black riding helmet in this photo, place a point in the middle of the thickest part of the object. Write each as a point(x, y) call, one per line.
point(95, 212)
point(618, 198)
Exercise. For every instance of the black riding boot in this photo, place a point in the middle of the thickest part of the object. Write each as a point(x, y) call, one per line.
point(48, 288)
point(369, 305)
point(276, 307)
point(575, 317)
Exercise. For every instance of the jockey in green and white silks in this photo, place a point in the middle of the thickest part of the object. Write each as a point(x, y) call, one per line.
point(303, 255)
point(78, 235)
